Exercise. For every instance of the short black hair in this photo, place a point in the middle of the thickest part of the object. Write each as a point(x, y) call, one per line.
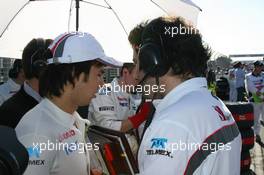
point(16, 69)
point(135, 34)
point(33, 52)
point(186, 53)
point(55, 76)
point(128, 66)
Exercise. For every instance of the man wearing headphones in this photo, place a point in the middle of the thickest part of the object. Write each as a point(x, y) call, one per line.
point(33, 62)
point(16, 79)
point(192, 131)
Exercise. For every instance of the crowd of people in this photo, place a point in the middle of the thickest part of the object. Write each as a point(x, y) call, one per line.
point(67, 72)
point(246, 84)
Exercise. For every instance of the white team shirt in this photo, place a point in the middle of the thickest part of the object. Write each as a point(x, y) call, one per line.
point(255, 84)
point(190, 115)
point(8, 89)
point(111, 106)
point(46, 124)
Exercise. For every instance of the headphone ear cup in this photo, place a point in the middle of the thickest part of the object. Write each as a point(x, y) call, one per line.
point(151, 60)
point(39, 64)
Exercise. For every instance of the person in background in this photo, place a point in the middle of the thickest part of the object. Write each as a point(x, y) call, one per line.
point(211, 80)
point(33, 63)
point(134, 38)
point(232, 84)
point(16, 79)
point(255, 88)
point(240, 79)
point(114, 107)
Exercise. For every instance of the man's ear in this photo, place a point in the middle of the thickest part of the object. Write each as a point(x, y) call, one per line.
point(125, 71)
point(81, 77)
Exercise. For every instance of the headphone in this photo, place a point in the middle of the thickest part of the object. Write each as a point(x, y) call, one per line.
point(153, 59)
point(38, 59)
point(14, 71)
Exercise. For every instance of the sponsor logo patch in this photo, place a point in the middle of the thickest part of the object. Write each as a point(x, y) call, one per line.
point(66, 135)
point(36, 162)
point(33, 151)
point(106, 108)
point(158, 147)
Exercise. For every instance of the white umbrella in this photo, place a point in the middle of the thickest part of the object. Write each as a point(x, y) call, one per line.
point(108, 20)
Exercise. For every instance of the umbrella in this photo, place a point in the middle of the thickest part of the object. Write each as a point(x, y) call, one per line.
point(108, 20)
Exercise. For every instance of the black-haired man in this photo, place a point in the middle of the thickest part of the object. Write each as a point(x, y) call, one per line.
point(71, 79)
point(33, 63)
point(192, 132)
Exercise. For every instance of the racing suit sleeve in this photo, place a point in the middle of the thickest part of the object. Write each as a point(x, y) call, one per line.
point(103, 112)
point(164, 151)
point(41, 154)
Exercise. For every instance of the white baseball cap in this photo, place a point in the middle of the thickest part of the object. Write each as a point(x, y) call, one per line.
point(78, 47)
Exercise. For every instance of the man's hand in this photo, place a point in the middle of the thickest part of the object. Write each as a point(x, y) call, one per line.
point(95, 171)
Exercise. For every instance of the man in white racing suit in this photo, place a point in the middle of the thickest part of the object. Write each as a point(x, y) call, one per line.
point(192, 131)
point(114, 106)
point(255, 87)
point(53, 132)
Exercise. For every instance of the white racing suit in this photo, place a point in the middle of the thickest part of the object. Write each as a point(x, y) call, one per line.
point(55, 141)
point(192, 132)
point(111, 106)
point(255, 84)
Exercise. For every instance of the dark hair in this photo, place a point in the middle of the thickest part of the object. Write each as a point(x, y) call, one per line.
point(16, 68)
point(55, 76)
point(186, 53)
point(128, 66)
point(34, 51)
point(135, 34)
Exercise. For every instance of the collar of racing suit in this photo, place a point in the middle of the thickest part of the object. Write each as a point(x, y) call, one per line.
point(179, 91)
point(65, 118)
point(31, 92)
point(13, 84)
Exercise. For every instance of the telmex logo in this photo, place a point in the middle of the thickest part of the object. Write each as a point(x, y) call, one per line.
point(33, 152)
point(158, 142)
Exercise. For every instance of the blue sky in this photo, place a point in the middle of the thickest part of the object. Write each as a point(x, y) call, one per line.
point(233, 26)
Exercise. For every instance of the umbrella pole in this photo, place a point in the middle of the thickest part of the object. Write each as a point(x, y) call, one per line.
point(77, 6)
